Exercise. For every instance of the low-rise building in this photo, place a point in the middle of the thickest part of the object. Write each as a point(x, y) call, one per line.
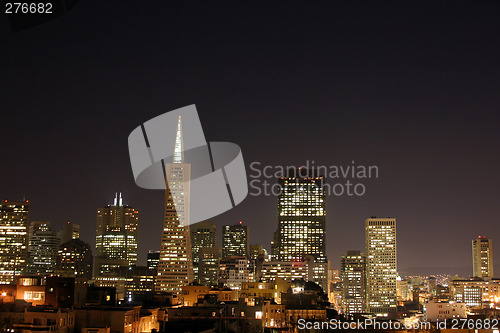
point(476, 292)
point(235, 270)
point(224, 294)
point(190, 294)
point(118, 319)
point(31, 289)
point(149, 320)
point(46, 319)
point(273, 315)
point(254, 291)
point(287, 270)
point(439, 311)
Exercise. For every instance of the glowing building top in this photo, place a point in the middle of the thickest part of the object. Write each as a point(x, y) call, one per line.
point(178, 151)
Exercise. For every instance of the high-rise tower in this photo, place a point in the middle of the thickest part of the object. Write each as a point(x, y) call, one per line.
point(381, 265)
point(43, 245)
point(116, 236)
point(482, 257)
point(203, 235)
point(75, 259)
point(353, 275)
point(235, 240)
point(302, 222)
point(13, 238)
point(175, 268)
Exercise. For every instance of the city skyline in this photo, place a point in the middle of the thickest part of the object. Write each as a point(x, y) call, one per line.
point(414, 94)
point(219, 230)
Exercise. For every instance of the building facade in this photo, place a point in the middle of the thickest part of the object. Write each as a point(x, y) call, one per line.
point(233, 271)
point(302, 221)
point(482, 257)
point(116, 236)
point(208, 265)
point(14, 226)
point(475, 292)
point(441, 311)
point(175, 268)
point(353, 277)
point(203, 235)
point(43, 246)
point(269, 271)
point(235, 240)
point(381, 265)
point(75, 259)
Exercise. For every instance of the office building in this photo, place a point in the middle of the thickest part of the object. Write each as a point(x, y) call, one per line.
point(381, 265)
point(43, 245)
point(208, 265)
point(136, 280)
point(269, 271)
point(235, 240)
point(203, 235)
point(116, 236)
point(175, 268)
point(475, 292)
point(302, 221)
point(75, 259)
point(14, 225)
point(353, 278)
point(482, 257)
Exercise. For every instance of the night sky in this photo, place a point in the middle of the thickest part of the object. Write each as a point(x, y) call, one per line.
point(409, 86)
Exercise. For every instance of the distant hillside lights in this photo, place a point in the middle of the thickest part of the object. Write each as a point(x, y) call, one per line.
point(262, 177)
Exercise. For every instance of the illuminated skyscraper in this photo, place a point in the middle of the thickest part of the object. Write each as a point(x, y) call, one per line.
point(116, 236)
point(235, 240)
point(482, 257)
point(353, 275)
point(13, 238)
point(175, 268)
point(75, 259)
point(208, 265)
point(381, 265)
point(301, 222)
point(43, 245)
point(203, 234)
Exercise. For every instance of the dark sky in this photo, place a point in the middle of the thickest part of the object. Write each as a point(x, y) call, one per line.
point(409, 86)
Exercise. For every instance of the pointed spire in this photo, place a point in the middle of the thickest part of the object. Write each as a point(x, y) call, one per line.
point(179, 149)
point(115, 201)
point(120, 201)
